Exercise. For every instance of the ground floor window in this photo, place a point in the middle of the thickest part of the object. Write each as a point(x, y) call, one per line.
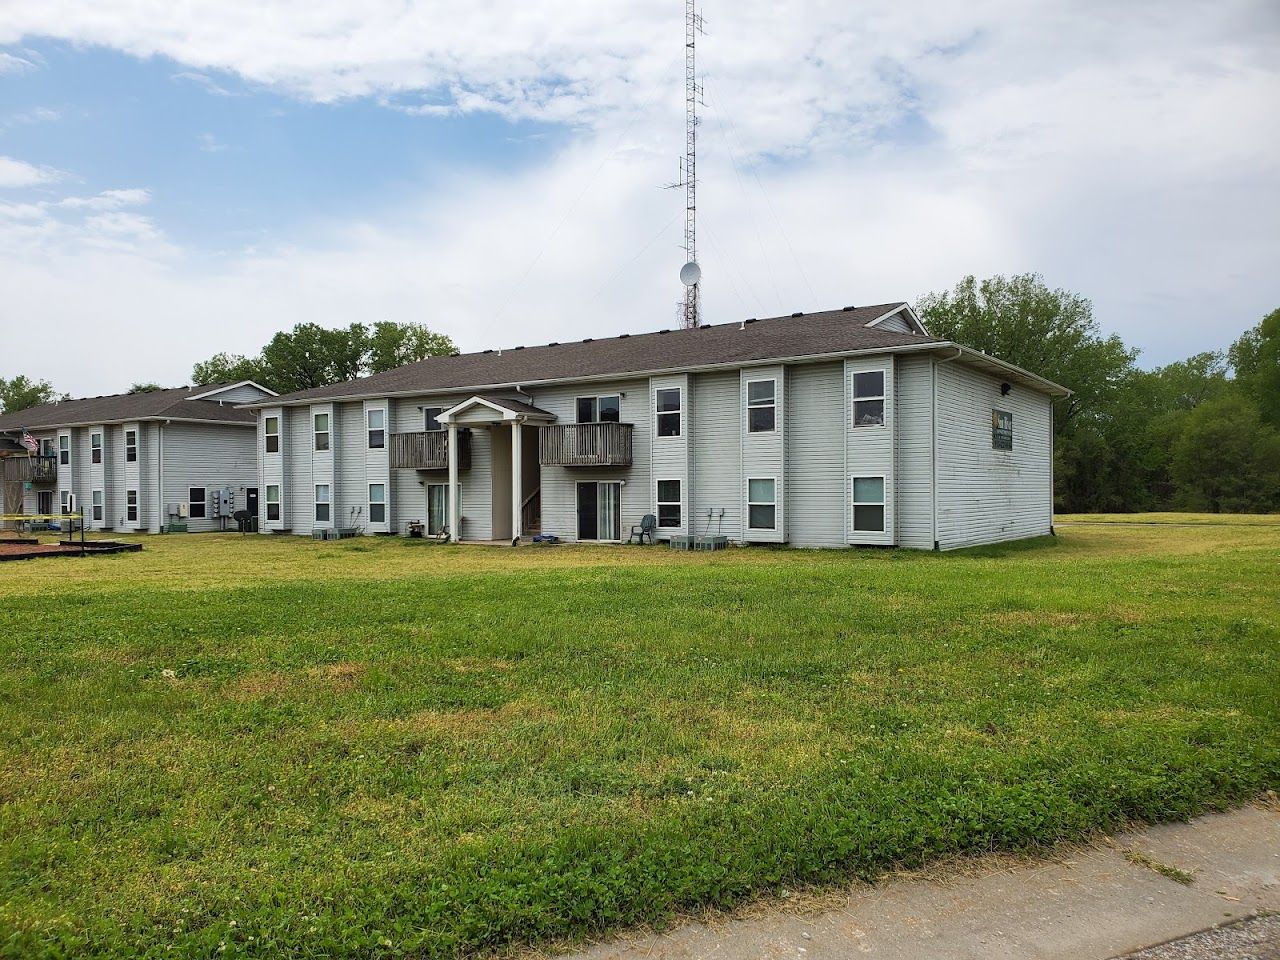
point(669, 514)
point(64, 500)
point(600, 510)
point(762, 503)
point(196, 500)
point(273, 502)
point(95, 499)
point(377, 503)
point(868, 504)
point(131, 506)
point(322, 503)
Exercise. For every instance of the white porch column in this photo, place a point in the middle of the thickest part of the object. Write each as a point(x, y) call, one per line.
point(517, 473)
point(455, 513)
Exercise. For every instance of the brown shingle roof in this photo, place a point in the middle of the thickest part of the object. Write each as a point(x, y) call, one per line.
point(156, 405)
point(832, 331)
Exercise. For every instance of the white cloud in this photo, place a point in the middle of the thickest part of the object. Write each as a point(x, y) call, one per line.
point(107, 200)
point(14, 64)
point(19, 173)
point(1125, 150)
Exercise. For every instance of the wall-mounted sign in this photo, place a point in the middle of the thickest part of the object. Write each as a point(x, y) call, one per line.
point(1001, 430)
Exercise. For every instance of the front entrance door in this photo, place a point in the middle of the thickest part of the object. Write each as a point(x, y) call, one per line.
point(599, 511)
point(251, 501)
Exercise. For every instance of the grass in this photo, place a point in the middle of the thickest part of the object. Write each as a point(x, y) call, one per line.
point(229, 746)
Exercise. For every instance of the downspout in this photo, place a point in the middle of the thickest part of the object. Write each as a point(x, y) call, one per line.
point(160, 474)
point(933, 445)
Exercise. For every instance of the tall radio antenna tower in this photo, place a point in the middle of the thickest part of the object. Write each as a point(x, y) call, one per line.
point(691, 273)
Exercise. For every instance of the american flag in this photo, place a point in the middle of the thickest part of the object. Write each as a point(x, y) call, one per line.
point(30, 442)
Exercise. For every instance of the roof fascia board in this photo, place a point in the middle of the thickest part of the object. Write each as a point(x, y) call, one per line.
point(912, 318)
point(231, 386)
point(119, 422)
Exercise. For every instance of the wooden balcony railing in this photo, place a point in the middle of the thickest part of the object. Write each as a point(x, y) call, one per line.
point(585, 445)
point(429, 450)
point(33, 469)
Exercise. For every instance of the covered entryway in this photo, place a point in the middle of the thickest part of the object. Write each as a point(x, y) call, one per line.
point(515, 475)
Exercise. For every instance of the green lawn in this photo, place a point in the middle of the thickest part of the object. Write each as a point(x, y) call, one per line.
point(387, 749)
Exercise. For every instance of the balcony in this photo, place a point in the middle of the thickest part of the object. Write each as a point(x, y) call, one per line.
point(30, 469)
point(585, 445)
point(428, 450)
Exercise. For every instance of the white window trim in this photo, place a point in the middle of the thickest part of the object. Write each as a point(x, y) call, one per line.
point(278, 502)
point(64, 446)
point(658, 414)
point(131, 506)
point(596, 398)
point(204, 503)
point(761, 503)
point(773, 404)
point(131, 446)
point(383, 503)
point(659, 504)
point(96, 448)
point(267, 432)
point(64, 500)
point(369, 428)
point(883, 397)
point(327, 432)
point(316, 501)
point(883, 503)
point(97, 506)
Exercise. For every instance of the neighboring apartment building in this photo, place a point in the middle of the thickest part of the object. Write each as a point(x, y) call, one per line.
point(830, 429)
point(136, 462)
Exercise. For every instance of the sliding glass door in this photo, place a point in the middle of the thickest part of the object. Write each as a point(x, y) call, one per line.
point(600, 511)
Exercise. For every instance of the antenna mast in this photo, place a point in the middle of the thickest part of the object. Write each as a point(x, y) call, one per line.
point(691, 273)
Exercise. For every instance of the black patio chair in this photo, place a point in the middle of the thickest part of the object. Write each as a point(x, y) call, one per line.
point(648, 524)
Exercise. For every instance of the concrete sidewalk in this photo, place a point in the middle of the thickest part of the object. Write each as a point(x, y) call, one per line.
point(1141, 889)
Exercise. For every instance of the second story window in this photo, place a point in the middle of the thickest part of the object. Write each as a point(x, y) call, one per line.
point(64, 449)
point(322, 431)
point(377, 428)
point(95, 447)
point(271, 431)
point(600, 409)
point(762, 406)
point(868, 399)
point(667, 404)
point(431, 419)
point(131, 446)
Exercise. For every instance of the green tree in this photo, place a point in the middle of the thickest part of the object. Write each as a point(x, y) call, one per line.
point(1226, 459)
point(22, 393)
point(148, 387)
point(310, 355)
point(229, 368)
point(1256, 360)
point(391, 345)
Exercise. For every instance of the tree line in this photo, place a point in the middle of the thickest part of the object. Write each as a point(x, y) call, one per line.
point(1198, 434)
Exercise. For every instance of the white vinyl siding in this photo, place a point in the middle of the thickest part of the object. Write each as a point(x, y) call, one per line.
point(717, 454)
point(869, 448)
point(671, 459)
point(210, 456)
point(815, 441)
point(763, 453)
point(272, 466)
point(913, 452)
point(987, 495)
point(377, 469)
point(322, 460)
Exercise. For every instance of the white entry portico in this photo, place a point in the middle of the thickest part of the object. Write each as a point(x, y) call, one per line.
point(515, 458)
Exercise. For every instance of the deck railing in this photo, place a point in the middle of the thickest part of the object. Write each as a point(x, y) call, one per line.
point(428, 450)
point(585, 445)
point(40, 469)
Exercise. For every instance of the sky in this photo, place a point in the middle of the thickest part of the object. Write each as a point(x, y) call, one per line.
point(178, 180)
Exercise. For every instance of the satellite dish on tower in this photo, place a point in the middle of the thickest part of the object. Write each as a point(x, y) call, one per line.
point(690, 274)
